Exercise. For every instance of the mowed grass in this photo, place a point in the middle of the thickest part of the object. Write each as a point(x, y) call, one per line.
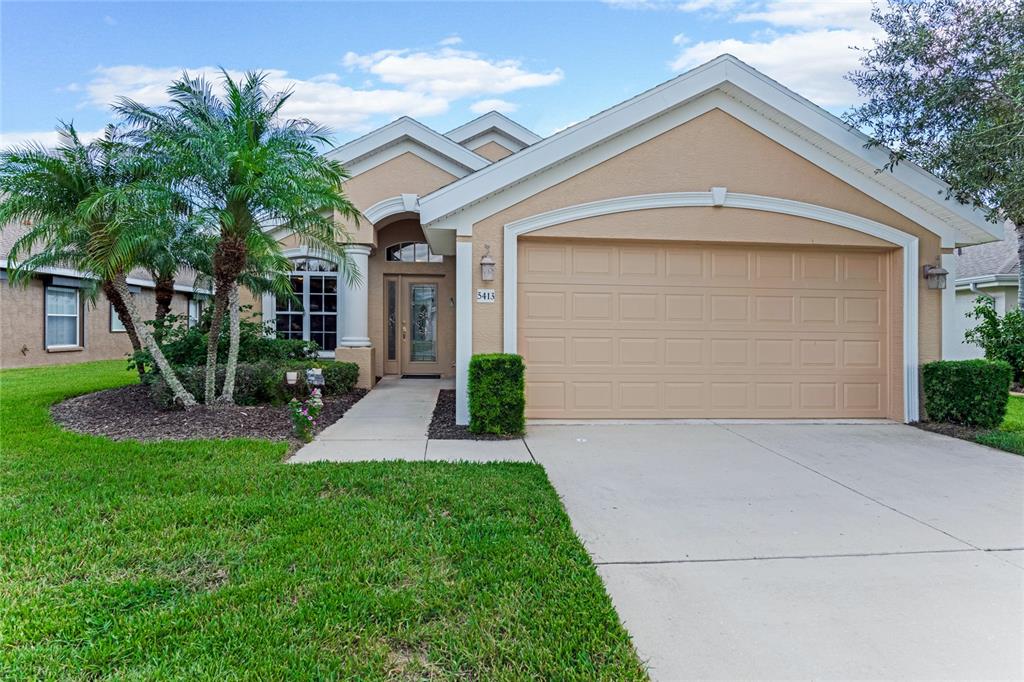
point(215, 560)
point(1010, 434)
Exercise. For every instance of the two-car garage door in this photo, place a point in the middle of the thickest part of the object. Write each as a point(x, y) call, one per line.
point(692, 330)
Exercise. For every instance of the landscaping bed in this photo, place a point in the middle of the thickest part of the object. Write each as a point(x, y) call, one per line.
point(214, 559)
point(131, 413)
point(1009, 436)
point(443, 426)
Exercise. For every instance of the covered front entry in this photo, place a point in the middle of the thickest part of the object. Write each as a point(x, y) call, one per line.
point(613, 329)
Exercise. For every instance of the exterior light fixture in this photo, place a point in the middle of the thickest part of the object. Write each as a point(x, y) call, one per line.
point(487, 265)
point(935, 276)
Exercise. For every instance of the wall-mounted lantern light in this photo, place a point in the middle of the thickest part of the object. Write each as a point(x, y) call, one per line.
point(935, 276)
point(487, 265)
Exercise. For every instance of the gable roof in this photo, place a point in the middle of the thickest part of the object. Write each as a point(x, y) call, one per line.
point(498, 125)
point(994, 258)
point(821, 137)
point(407, 135)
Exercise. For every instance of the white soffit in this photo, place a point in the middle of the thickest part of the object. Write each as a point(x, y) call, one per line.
point(406, 135)
point(472, 134)
point(748, 95)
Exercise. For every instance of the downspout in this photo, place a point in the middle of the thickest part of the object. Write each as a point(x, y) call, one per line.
point(978, 292)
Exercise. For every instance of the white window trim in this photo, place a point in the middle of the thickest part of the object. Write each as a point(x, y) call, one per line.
point(907, 242)
point(270, 301)
point(47, 314)
point(114, 319)
point(414, 243)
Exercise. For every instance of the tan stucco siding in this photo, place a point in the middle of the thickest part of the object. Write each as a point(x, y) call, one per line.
point(492, 151)
point(711, 150)
point(409, 231)
point(404, 174)
point(23, 320)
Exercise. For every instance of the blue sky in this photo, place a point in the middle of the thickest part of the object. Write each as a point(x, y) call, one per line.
point(355, 66)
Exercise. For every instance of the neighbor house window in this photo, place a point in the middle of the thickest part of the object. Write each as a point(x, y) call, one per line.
point(412, 252)
point(115, 321)
point(63, 309)
point(195, 312)
point(313, 316)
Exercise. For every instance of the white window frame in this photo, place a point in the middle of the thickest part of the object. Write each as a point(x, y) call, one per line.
point(198, 303)
point(305, 274)
point(47, 314)
point(431, 257)
point(115, 322)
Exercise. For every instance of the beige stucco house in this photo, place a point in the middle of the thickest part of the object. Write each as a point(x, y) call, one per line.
point(715, 247)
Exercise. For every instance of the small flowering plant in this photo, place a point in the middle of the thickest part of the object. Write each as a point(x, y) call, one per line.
point(304, 414)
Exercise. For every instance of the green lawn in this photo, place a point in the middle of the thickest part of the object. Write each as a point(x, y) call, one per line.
point(214, 560)
point(1010, 434)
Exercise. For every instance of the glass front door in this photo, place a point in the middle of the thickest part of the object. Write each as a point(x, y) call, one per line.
point(423, 323)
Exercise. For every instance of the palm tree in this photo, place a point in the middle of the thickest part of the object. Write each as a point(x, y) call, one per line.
point(243, 167)
point(82, 201)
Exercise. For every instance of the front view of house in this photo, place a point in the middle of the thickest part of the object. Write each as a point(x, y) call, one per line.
point(715, 247)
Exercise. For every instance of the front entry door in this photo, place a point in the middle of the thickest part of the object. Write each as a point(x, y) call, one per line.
point(410, 319)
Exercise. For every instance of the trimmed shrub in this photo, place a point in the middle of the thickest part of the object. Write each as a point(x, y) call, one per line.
point(968, 392)
point(263, 383)
point(497, 400)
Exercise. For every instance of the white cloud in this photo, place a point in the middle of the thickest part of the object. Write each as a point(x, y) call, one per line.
point(811, 63)
point(848, 14)
point(450, 73)
point(109, 20)
point(450, 41)
point(47, 138)
point(499, 105)
point(398, 83)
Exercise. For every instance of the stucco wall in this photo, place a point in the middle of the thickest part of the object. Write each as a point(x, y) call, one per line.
point(22, 325)
point(492, 151)
point(711, 150)
point(404, 174)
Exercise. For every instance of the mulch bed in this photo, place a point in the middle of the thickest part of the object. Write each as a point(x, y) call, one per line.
point(129, 413)
point(954, 430)
point(443, 426)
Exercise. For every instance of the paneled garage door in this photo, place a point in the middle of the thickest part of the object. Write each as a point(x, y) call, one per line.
point(690, 330)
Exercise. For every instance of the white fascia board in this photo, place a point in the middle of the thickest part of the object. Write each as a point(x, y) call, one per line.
point(78, 274)
point(493, 120)
point(405, 129)
point(832, 140)
point(510, 143)
point(987, 280)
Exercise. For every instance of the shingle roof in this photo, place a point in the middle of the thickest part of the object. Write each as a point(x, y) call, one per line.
point(994, 258)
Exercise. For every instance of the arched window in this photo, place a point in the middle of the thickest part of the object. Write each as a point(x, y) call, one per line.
point(411, 252)
point(316, 283)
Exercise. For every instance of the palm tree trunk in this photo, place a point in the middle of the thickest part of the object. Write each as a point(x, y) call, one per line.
point(181, 396)
point(212, 341)
point(126, 321)
point(234, 326)
point(164, 294)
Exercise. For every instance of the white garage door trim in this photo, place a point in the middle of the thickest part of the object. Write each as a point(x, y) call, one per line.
point(719, 197)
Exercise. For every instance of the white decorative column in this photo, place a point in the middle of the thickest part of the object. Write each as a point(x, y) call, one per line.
point(463, 327)
point(355, 300)
point(355, 345)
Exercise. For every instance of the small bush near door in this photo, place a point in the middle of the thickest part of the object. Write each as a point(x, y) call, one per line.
point(497, 400)
point(968, 392)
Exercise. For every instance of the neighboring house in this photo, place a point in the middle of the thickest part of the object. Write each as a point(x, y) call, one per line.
point(991, 270)
point(715, 247)
point(51, 319)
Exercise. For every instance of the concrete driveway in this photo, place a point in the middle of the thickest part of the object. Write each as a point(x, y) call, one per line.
point(801, 551)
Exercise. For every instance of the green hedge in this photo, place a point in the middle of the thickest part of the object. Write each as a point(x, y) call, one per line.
point(969, 392)
point(263, 383)
point(497, 401)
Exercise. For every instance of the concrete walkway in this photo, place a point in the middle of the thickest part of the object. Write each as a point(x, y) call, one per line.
point(784, 551)
point(391, 423)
